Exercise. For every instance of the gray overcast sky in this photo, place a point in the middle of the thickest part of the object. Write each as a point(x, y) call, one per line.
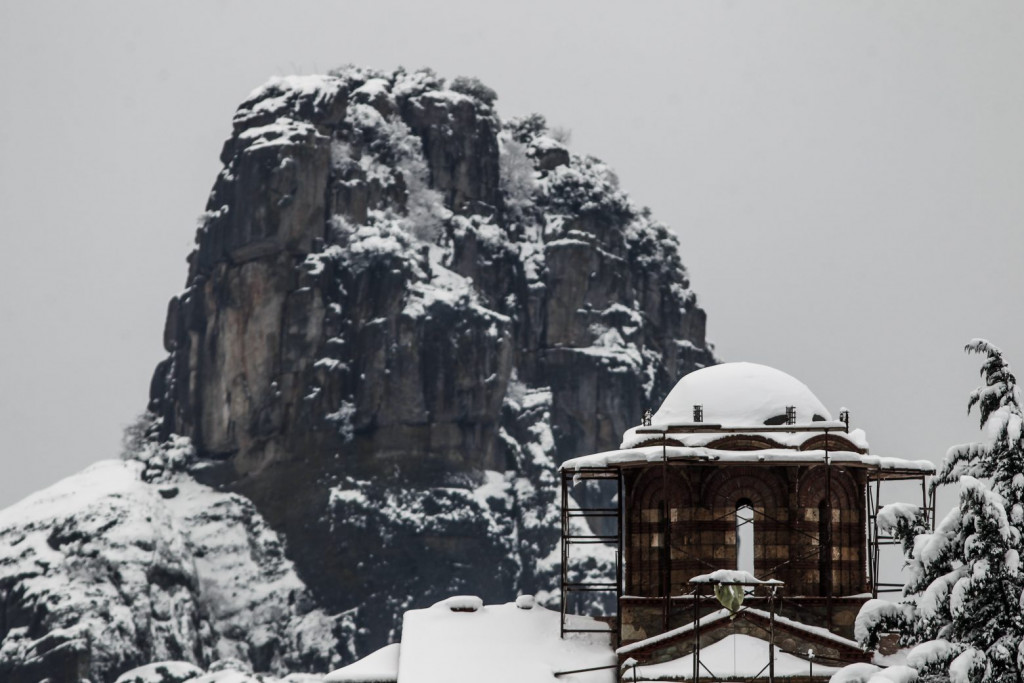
point(846, 179)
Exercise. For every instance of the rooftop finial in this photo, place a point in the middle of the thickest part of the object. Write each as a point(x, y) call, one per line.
point(647, 418)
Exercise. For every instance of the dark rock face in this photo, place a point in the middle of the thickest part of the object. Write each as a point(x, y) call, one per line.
point(400, 315)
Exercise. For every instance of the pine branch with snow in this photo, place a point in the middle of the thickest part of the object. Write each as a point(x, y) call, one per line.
point(963, 599)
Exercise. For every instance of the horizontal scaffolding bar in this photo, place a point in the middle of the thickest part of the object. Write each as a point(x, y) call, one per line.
point(593, 668)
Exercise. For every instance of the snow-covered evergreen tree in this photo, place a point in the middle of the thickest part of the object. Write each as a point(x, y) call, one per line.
point(962, 604)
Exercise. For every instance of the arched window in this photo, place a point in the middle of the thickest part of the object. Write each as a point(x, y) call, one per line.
point(745, 535)
point(836, 561)
point(653, 509)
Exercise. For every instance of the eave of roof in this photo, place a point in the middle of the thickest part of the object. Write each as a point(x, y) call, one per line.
point(644, 455)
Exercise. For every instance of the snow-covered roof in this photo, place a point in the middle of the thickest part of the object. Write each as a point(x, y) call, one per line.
point(778, 456)
point(450, 643)
point(380, 666)
point(740, 395)
point(738, 655)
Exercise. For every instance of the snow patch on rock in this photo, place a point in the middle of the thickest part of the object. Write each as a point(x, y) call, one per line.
point(182, 572)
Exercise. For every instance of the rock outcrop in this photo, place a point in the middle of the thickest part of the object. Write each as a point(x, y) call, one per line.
point(104, 571)
point(400, 315)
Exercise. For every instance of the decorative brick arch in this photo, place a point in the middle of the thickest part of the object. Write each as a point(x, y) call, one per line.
point(652, 506)
point(649, 485)
point(727, 485)
point(744, 443)
point(765, 489)
point(840, 572)
point(811, 489)
point(830, 442)
point(659, 441)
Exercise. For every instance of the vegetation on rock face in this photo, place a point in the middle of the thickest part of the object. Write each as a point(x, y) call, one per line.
point(470, 85)
point(962, 604)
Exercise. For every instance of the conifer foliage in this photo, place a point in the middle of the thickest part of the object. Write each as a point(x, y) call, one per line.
point(962, 604)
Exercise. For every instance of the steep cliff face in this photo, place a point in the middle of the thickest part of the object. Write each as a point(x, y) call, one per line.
point(400, 315)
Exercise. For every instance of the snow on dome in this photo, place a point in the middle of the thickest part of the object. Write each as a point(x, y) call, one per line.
point(741, 395)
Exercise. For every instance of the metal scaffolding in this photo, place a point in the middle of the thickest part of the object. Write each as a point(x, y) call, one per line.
point(876, 538)
point(569, 584)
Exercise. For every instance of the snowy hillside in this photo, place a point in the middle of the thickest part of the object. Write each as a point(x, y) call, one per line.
point(103, 571)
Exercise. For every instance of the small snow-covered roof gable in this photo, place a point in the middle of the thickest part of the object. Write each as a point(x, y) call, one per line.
point(739, 395)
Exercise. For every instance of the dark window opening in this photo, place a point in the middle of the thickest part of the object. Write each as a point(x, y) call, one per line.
point(824, 551)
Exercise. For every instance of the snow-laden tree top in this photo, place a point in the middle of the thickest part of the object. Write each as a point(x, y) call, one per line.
point(739, 395)
point(965, 589)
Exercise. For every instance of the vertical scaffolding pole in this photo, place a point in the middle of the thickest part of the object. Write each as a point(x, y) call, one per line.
point(874, 521)
point(771, 636)
point(620, 557)
point(827, 541)
point(871, 527)
point(927, 504)
point(931, 507)
point(696, 633)
point(666, 537)
point(565, 553)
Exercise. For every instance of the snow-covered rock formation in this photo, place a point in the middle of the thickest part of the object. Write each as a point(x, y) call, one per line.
point(103, 571)
point(400, 315)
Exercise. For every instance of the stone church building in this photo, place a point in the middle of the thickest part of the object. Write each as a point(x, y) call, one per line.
point(742, 482)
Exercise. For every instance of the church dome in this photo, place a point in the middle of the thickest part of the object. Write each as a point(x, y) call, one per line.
point(740, 395)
